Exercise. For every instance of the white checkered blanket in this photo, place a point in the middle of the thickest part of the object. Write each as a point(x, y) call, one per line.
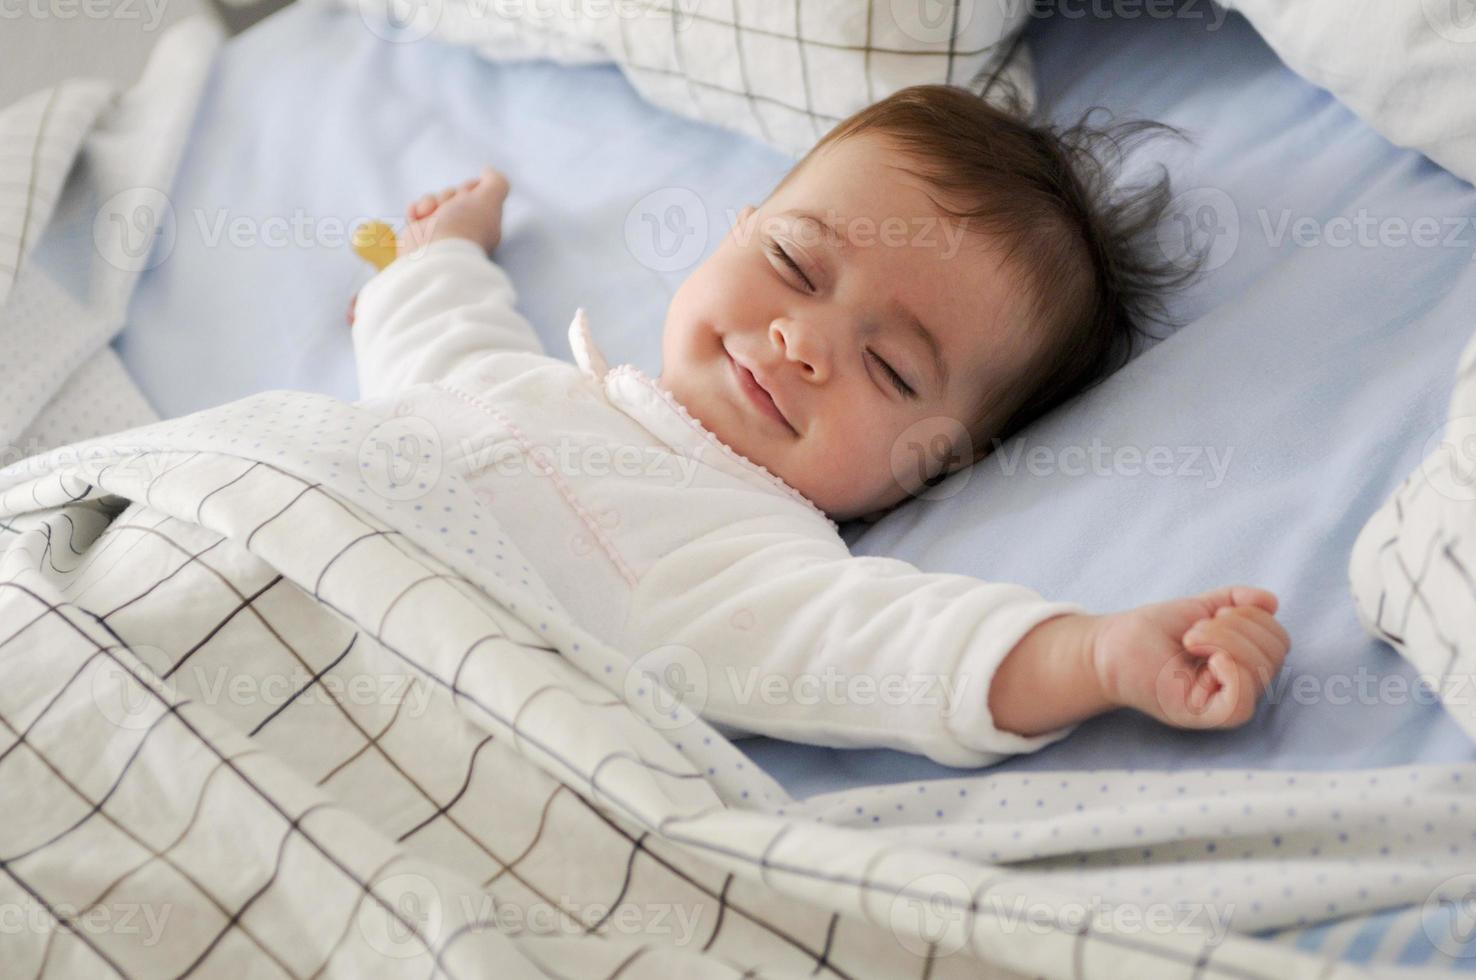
point(258, 718)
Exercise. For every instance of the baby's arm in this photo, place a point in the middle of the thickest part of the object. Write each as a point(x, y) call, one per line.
point(800, 640)
point(442, 301)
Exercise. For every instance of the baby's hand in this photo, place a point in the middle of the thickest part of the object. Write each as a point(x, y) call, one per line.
point(1200, 662)
point(472, 211)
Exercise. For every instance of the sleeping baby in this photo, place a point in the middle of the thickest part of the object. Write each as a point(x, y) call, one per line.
point(817, 369)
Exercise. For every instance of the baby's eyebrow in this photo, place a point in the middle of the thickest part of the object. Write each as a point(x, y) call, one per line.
point(830, 228)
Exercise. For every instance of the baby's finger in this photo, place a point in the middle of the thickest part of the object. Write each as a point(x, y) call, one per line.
point(1261, 627)
point(1235, 702)
point(1204, 694)
point(1240, 595)
point(421, 207)
point(1216, 636)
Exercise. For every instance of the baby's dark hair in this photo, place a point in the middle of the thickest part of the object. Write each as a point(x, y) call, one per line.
point(1087, 249)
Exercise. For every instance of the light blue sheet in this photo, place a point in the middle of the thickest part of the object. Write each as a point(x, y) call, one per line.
point(1321, 371)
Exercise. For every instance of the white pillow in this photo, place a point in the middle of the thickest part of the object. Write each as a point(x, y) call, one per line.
point(1408, 67)
point(782, 71)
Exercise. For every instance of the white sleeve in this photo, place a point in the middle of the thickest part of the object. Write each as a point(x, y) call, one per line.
point(800, 640)
point(432, 310)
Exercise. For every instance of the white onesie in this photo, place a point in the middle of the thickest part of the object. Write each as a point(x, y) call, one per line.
point(672, 547)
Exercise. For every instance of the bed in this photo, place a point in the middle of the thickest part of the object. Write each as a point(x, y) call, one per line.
point(1311, 374)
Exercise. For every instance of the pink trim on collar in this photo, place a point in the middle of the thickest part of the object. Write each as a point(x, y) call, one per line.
point(630, 371)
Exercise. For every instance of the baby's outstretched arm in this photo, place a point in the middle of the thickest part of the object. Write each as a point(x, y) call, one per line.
point(1197, 662)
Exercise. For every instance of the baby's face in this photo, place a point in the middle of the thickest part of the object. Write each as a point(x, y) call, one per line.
point(854, 378)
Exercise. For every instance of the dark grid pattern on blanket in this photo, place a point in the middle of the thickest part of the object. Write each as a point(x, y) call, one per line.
point(341, 744)
point(434, 823)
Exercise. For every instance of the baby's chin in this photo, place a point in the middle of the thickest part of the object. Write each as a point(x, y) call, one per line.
point(835, 496)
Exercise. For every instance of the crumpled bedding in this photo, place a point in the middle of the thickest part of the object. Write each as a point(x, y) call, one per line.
point(242, 691)
point(255, 720)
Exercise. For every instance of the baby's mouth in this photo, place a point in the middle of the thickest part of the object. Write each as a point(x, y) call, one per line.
point(757, 394)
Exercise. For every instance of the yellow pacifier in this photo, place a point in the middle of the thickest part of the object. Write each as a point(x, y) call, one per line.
point(374, 242)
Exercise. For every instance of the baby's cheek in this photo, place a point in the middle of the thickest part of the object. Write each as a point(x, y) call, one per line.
point(866, 457)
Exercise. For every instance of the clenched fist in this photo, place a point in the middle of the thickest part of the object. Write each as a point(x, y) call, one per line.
point(1199, 662)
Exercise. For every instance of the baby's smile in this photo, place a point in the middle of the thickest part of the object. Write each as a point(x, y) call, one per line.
point(758, 392)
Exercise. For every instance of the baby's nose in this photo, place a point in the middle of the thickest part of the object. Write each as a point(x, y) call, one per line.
point(802, 344)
